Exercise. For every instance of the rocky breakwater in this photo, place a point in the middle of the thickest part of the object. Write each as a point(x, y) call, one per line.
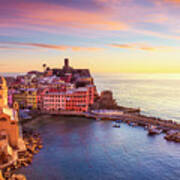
point(169, 127)
point(33, 144)
point(173, 136)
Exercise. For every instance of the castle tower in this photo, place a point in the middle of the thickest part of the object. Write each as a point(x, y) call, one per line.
point(66, 67)
point(66, 62)
point(3, 93)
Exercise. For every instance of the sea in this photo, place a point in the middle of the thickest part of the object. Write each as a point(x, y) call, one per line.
point(155, 94)
point(86, 149)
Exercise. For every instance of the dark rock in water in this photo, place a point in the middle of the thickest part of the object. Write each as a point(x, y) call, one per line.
point(173, 137)
point(105, 101)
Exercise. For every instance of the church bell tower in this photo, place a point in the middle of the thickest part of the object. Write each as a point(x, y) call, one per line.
point(3, 93)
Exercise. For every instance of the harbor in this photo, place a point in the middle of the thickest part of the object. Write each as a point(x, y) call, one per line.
point(152, 124)
point(78, 148)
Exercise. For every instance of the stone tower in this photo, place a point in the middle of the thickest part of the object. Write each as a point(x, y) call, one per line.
point(66, 67)
point(3, 93)
point(66, 62)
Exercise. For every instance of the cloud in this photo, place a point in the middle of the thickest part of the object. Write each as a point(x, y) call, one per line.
point(12, 48)
point(100, 16)
point(15, 45)
point(157, 18)
point(172, 1)
point(51, 15)
point(156, 34)
point(145, 47)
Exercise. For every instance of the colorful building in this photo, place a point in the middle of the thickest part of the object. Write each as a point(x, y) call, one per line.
point(26, 98)
point(31, 98)
point(77, 99)
point(20, 98)
point(11, 141)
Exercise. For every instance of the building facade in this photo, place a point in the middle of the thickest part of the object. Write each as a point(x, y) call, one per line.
point(9, 123)
point(26, 98)
point(76, 100)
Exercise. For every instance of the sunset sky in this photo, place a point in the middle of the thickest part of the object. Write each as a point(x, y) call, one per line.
point(119, 36)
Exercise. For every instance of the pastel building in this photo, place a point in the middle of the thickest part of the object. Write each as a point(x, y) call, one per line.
point(26, 98)
point(77, 99)
point(54, 101)
point(20, 98)
point(31, 98)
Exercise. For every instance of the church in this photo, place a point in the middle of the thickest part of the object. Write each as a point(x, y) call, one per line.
point(11, 140)
point(3, 92)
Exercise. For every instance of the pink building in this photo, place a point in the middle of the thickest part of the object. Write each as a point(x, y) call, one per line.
point(77, 99)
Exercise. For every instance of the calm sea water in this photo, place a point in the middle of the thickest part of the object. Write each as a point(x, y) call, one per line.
point(156, 94)
point(82, 149)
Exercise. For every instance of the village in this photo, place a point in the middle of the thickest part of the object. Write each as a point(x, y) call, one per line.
point(54, 91)
point(63, 91)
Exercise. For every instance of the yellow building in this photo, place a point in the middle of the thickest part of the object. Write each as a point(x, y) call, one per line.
point(20, 98)
point(31, 99)
point(26, 99)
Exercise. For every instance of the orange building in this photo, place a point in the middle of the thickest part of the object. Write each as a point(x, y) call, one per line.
point(11, 127)
point(9, 124)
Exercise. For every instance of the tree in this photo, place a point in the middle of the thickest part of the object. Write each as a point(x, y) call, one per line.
point(44, 67)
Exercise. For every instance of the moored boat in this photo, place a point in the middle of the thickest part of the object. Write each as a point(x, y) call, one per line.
point(152, 130)
point(116, 125)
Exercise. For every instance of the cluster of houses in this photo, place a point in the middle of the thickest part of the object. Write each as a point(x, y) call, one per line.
point(54, 90)
point(65, 89)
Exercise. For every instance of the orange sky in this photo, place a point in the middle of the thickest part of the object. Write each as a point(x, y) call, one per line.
point(127, 36)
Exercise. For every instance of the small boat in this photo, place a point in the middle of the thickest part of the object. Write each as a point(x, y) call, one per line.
point(152, 130)
point(116, 125)
point(146, 127)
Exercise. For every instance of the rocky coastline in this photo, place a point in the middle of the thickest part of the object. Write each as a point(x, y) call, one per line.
point(33, 145)
point(170, 128)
